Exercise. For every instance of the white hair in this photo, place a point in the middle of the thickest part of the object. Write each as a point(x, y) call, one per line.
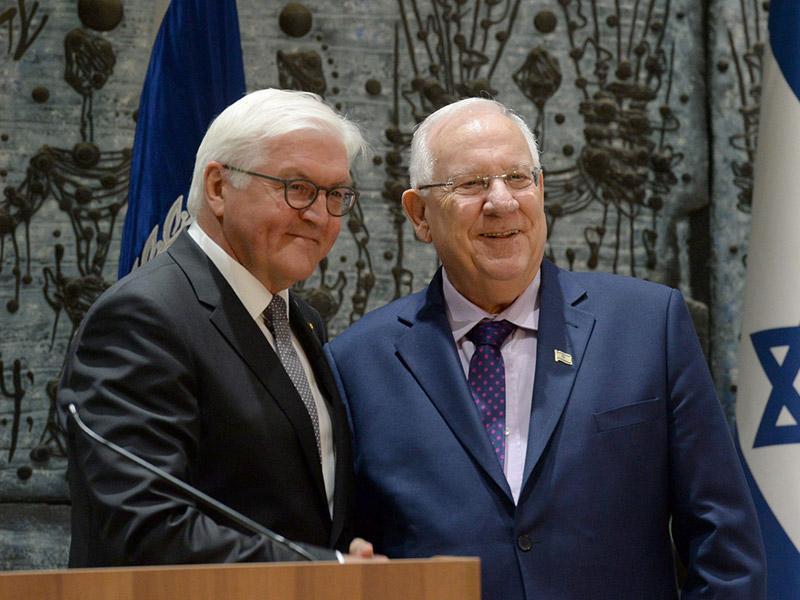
point(241, 133)
point(421, 161)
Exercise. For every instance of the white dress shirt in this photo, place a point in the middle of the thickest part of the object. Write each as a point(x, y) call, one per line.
point(519, 357)
point(256, 298)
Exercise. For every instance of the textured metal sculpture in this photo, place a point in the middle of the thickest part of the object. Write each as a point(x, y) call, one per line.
point(622, 67)
point(90, 186)
point(747, 54)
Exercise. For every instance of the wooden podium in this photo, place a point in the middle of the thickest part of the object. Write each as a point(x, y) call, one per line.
point(445, 578)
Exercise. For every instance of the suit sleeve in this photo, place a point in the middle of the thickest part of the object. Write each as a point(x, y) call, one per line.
point(132, 375)
point(714, 524)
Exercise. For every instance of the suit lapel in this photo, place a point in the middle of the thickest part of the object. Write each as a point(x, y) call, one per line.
point(443, 380)
point(230, 317)
point(562, 327)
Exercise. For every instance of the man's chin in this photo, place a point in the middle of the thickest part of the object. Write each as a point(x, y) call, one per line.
point(505, 269)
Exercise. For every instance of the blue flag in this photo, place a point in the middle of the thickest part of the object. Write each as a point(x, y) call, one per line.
point(768, 395)
point(195, 71)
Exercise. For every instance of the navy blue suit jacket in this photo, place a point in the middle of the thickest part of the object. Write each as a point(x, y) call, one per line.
point(625, 444)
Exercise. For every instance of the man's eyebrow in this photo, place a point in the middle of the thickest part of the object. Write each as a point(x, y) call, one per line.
point(477, 172)
point(294, 173)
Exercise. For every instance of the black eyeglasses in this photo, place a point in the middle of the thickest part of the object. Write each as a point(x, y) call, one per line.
point(301, 193)
point(471, 185)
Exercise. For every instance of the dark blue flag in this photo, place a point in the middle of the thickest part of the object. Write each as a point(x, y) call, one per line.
point(196, 70)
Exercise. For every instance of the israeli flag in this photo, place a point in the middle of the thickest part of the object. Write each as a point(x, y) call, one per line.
point(196, 70)
point(768, 398)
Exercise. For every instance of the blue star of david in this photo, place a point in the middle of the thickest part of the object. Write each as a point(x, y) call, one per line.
point(782, 377)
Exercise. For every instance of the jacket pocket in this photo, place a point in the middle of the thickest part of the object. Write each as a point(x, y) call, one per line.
point(630, 414)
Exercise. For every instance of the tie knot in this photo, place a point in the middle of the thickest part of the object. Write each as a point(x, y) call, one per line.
point(275, 312)
point(490, 333)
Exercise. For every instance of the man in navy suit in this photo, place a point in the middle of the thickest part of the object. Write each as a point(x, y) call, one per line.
point(561, 426)
point(184, 362)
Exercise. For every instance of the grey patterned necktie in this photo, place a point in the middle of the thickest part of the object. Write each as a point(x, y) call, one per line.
point(277, 322)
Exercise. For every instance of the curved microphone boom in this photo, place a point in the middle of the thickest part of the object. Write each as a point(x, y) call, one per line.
point(193, 492)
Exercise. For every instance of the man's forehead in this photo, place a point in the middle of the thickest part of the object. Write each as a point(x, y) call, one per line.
point(470, 123)
point(471, 135)
point(472, 119)
point(306, 153)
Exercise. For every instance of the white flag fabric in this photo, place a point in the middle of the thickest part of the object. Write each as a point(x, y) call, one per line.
point(768, 397)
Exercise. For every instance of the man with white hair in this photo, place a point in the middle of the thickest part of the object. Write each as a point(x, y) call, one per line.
point(203, 363)
point(561, 426)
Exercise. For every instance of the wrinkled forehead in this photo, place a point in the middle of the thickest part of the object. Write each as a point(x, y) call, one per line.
point(470, 119)
point(474, 134)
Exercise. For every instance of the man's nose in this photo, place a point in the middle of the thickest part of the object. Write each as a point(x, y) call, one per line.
point(317, 212)
point(499, 199)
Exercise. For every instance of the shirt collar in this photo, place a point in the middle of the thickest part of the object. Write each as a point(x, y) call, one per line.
point(463, 315)
point(247, 288)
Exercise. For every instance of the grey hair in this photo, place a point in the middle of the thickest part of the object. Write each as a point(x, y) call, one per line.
point(421, 161)
point(242, 132)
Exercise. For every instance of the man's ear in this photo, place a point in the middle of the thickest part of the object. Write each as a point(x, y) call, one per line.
point(213, 179)
point(414, 206)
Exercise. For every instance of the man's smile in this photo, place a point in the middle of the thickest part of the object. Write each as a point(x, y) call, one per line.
point(501, 234)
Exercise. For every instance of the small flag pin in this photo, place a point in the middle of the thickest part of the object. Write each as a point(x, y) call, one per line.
point(563, 357)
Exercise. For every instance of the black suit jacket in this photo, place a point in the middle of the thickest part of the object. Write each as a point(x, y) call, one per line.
point(169, 364)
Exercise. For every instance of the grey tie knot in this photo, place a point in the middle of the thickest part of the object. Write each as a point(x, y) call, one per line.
point(275, 314)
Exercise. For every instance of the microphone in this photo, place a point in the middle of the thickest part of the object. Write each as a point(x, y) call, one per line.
point(193, 492)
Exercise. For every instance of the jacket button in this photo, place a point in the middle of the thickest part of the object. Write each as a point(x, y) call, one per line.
point(524, 543)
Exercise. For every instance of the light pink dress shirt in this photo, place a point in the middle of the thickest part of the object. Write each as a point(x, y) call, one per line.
point(519, 356)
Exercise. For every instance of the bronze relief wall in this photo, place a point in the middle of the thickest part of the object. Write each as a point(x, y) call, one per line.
point(646, 113)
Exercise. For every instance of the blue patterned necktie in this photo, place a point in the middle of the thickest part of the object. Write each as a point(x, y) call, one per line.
point(487, 379)
point(278, 324)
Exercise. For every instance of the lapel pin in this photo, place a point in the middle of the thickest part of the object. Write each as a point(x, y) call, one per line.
point(563, 357)
point(311, 326)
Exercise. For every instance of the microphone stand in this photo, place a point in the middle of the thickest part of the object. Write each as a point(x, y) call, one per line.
point(193, 492)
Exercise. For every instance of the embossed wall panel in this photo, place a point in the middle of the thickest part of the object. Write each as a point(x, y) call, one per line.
point(617, 92)
point(65, 133)
point(618, 122)
point(738, 31)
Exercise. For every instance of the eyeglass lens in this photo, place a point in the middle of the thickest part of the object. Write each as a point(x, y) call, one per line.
point(301, 193)
point(475, 184)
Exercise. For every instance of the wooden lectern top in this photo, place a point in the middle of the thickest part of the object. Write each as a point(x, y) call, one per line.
point(446, 578)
